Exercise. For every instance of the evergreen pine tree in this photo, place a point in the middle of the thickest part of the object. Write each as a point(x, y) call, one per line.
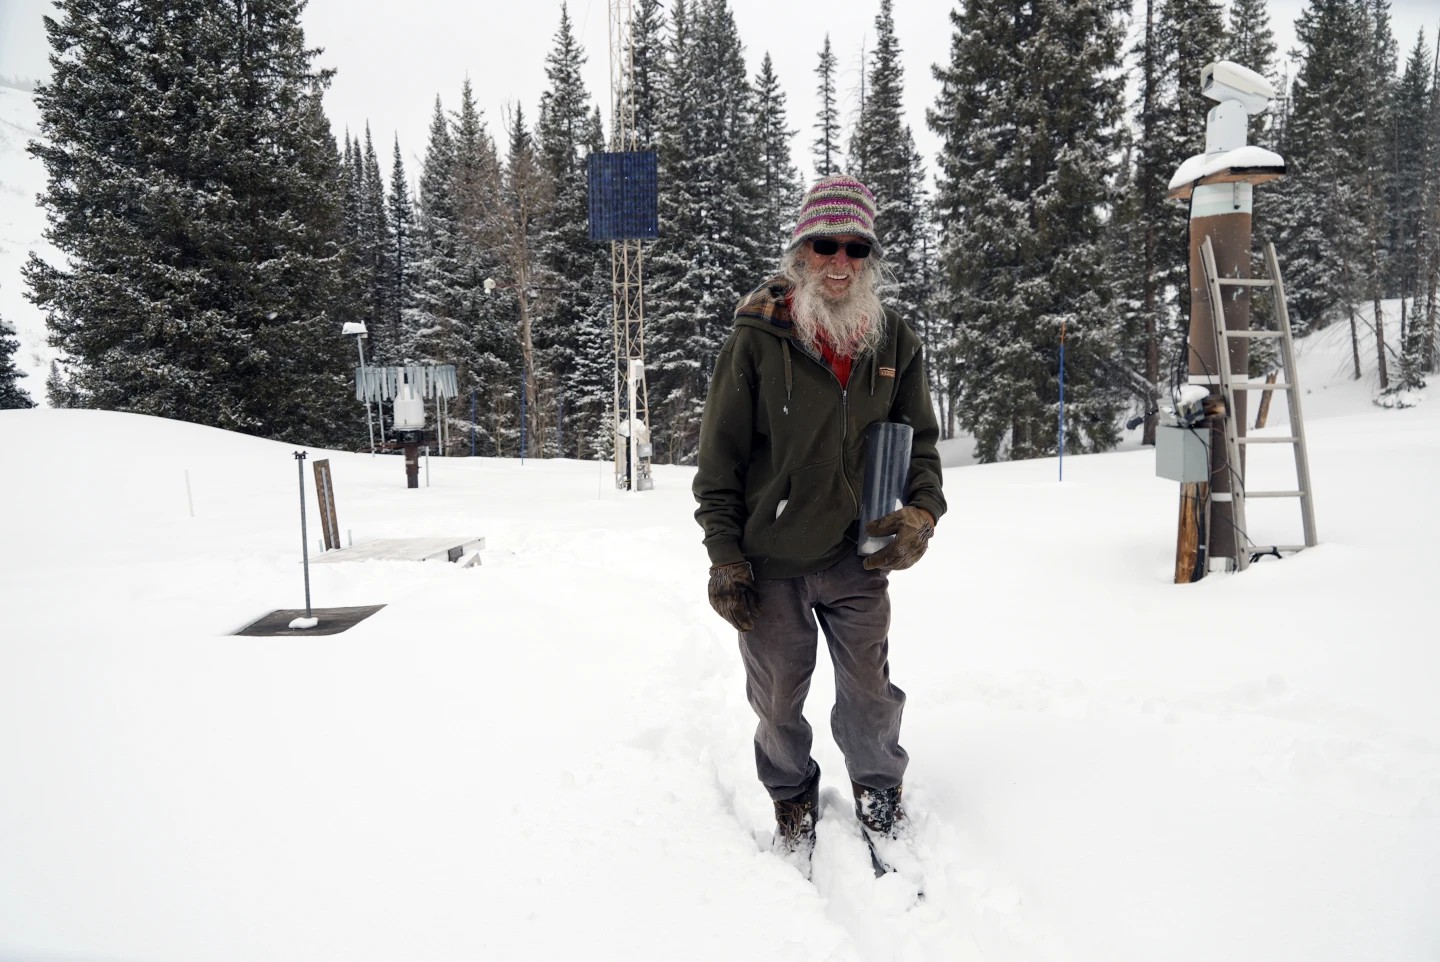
point(644, 86)
point(673, 376)
point(780, 181)
point(375, 243)
point(883, 147)
point(12, 395)
point(351, 301)
point(1136, 320)
point(350, 176)
point(826, 147)
point(1029, 112)
point(575, 312)
point(400, 291)
point(58, 392)
point(1380, 74)
point(437, 269)
point(1178, 39)
point(1418, 169)
point(521, 196)
point(480, 342)
point(710, 251)
point(193, 189)
point(453, 320)
point(1320, 206)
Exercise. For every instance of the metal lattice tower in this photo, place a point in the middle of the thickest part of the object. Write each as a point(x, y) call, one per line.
point(627, 262)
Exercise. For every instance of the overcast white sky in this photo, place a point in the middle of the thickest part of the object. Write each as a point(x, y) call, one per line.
point(393, 58)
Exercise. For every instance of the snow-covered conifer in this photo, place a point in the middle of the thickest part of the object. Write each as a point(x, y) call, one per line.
point(1176, 40)
point(883, 147)
point(1029, 112)
point(573, 323)
point(193, 189)
point(12, 395)
point(400, 291)
point(376, 242)
point(644, 86)
point(1415, 210)
point(826, 147)
point(1319, 207)
point(780, 181)
point(710, 251)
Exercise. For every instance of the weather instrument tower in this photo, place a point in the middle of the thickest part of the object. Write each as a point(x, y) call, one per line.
point(1219, 187)
point(623, 211)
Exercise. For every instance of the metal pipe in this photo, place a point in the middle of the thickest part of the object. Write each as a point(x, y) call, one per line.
point(304, 542)
point(365, 387)
point(1061, 448)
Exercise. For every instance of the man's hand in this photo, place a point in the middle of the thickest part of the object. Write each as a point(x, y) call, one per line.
point(734, 596)
point(912, 528)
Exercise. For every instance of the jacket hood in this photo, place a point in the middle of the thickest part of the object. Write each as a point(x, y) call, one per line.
point(765, 308)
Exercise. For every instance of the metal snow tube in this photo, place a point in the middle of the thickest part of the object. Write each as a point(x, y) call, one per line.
point(887, 468)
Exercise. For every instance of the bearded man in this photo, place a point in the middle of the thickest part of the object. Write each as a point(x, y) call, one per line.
point(813, 360)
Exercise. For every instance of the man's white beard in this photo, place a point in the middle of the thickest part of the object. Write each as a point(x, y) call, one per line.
point(852, 324)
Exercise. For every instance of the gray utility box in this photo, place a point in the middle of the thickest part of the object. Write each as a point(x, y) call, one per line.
point(1182, 453)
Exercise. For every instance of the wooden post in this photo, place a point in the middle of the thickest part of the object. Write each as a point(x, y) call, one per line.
point(1189, 562)
point(325, 495)
point(1192, 547)
point(1264, 413)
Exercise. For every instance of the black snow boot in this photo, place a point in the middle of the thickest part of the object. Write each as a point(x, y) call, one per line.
point(795, 819)
point(879, 810)
point(885, 828)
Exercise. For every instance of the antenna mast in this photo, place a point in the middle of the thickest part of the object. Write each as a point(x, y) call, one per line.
point(627, 260)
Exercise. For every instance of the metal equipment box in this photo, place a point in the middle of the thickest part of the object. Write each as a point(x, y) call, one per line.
point(1182, 453)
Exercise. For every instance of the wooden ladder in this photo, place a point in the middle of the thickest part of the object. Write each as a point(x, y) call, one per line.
point(1290, 383)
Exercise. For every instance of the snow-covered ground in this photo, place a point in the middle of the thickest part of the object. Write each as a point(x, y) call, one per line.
point(548, 756)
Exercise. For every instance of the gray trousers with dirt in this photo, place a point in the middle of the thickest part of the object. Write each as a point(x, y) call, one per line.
point(852, 607)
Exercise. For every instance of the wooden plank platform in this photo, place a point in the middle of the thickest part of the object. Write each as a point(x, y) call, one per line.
point(332, 621)
point(407, 549)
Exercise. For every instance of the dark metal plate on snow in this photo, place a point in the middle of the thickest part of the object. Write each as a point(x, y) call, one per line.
point(332, 621)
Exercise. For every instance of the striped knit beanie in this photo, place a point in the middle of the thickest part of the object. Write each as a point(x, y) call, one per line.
point(838, 204)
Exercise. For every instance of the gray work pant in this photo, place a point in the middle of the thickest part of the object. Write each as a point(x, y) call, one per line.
point(852, 607)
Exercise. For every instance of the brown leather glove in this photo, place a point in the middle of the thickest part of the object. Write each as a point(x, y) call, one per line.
point(912, 528)
point(733, 594)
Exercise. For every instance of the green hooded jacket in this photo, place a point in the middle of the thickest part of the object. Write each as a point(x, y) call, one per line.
point(782, 443)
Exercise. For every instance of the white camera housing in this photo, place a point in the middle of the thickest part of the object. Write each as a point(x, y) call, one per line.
point(1225, 80)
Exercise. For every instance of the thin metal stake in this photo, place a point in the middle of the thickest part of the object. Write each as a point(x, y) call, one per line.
point(365, 382)
point(1061, 448)
point(304, 543)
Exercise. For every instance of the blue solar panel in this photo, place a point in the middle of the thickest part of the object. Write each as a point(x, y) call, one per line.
point(623, 196)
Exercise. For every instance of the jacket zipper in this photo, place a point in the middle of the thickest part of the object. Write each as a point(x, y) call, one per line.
point(844, 431)
point(844, 426)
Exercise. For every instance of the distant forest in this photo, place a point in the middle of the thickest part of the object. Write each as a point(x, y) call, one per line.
point(217, 232)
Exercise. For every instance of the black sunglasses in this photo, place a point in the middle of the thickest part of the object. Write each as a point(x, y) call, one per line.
point(825, 247)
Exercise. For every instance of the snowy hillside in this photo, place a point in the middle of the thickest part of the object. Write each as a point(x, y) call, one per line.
point(22, 226)
point(547, 757)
